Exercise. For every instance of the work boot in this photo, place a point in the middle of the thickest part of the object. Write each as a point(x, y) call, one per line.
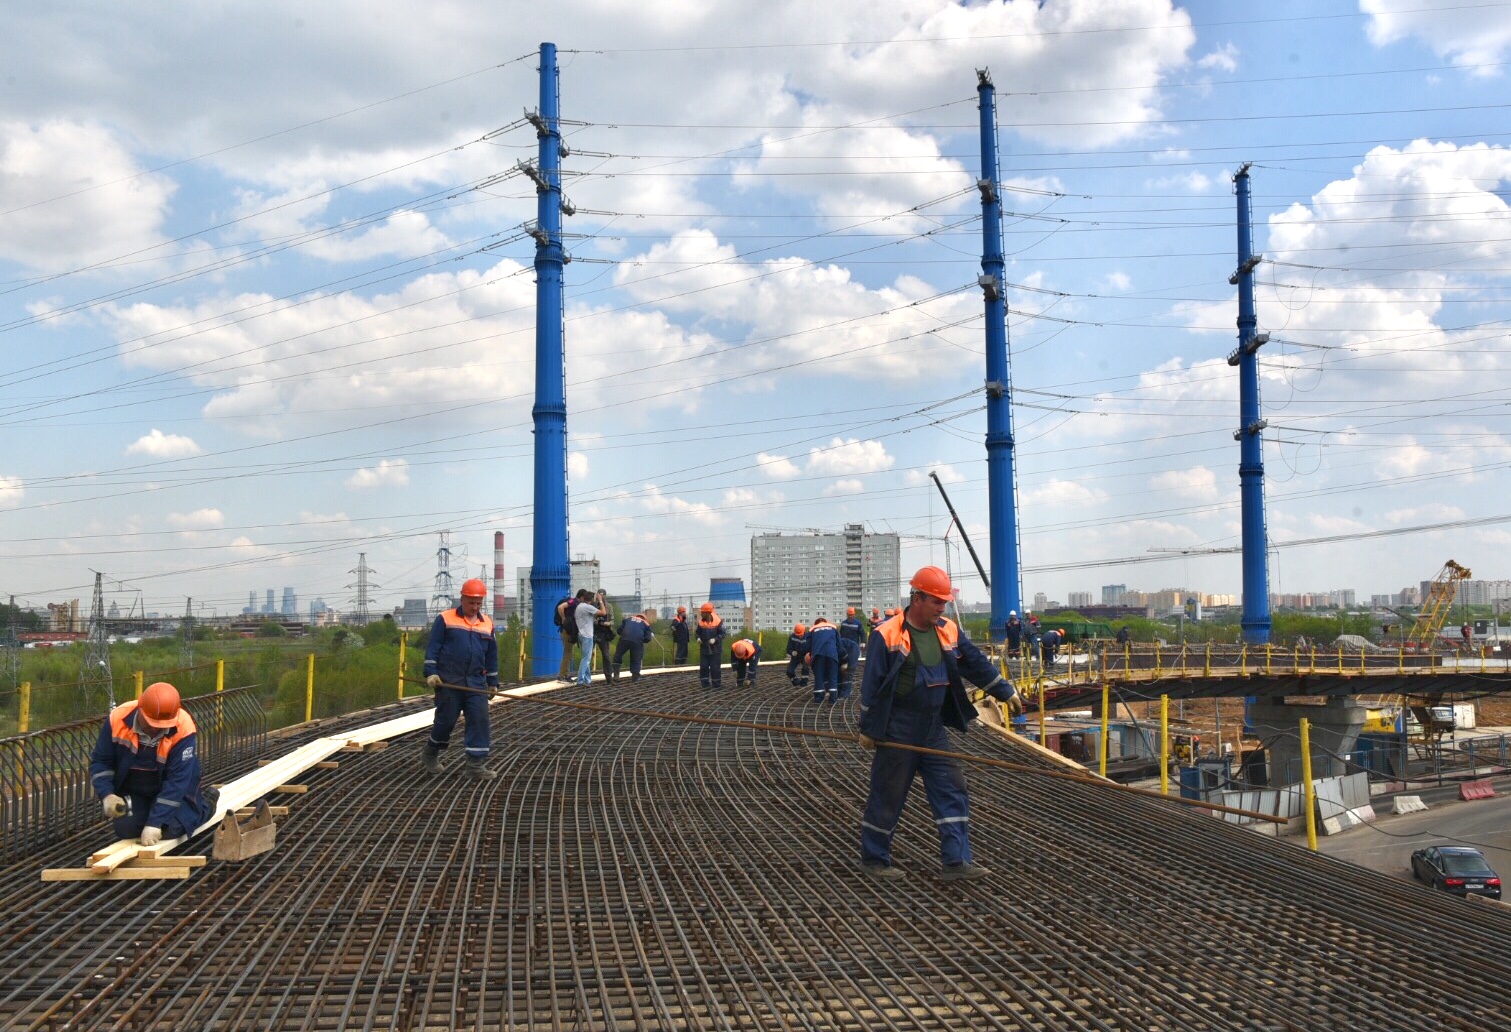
point(430, 759)
point(477, 767)
point(883, 872)
point(963, 872)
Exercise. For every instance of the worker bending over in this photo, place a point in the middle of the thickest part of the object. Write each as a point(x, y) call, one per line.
point(797, 656)
point(145, 768)
point(823, 656)
point(463, 653)
point(744, 656)
point(910, 691)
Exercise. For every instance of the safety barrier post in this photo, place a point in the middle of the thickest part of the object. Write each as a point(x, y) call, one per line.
point(403, 647)
point(220, 686)
point(1309, 791)
point(1159, 660)
point(1340, 659)
point(1039, 691)
point(1400, 659)
point(1269, 658)
point(1164, 745)
point(1127, 658)
point(523, 635)
point(1362, 666)
point(1243, 660)
point(1106, 700)
point(139, 679)
point(1312, 660)
point(23, 720)
point(1206, 666)
point(309, 692)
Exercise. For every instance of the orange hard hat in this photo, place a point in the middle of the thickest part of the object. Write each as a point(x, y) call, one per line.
point(707, 607)
point(681, 610)
point(850, 611)
point(931, 580)
point(474, 588)
point(743, 649)
point(159, 704)
point(799, 629)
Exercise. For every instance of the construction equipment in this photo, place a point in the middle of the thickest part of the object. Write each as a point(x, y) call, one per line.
point(236, 841)
point(1435, 607)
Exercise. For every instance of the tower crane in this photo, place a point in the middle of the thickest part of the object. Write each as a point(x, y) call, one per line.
point(1436, 606)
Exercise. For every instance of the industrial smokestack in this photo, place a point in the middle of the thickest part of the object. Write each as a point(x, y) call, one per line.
point(499, 612)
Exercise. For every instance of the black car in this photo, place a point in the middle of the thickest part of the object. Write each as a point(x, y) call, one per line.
point(1456, 869)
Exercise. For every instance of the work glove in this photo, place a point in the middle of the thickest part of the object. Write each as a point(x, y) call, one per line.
point(866, 741)
point(114, 806)
point(151, 836)
point(1015, 704)
point(434, 680)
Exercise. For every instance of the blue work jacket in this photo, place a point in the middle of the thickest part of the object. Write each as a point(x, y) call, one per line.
point(464, 652)
point(890, 645)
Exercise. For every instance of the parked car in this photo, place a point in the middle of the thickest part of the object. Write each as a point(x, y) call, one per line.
point(1456, 869)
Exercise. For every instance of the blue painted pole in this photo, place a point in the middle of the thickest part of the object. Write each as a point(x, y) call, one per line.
point(1256, 580)
point(1006, 587)
point(550, 571)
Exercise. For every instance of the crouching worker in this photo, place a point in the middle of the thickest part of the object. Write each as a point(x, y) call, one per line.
point(145, 768)
point(744, 655)
point(910, 692)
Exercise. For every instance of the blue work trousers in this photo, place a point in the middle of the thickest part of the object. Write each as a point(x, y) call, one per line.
point(892, 773)
point(745, 671)
point(710, 669)
point(825, 678)
point(797, 672)
point(450, 704)
point(636, 649)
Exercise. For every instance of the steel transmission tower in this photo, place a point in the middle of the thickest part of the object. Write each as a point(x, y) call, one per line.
point(10, 650)
point(95, 677)
point(364, 588)
point(186, 639)
point(442, 598)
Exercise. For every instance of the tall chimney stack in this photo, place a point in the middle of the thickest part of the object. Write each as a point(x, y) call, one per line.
point(499, 584)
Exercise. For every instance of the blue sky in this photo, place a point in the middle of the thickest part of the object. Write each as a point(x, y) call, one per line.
point(266, 301)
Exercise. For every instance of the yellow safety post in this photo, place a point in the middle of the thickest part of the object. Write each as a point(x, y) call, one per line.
point(1206, 667)
point(1312, 662)
point(1243, 660)
point(522, 635)
point(1159, 661)
point(139, 679)
point(403, 648)
point(1127, 657)
point(1164, 745)
point(1308, 791)
point(309, 692)
point(1041, 710)
point(23, 722)
point(1401, 660)
point(1269, 658)
point(1363, 667)
point(220, 674)
point(1340, 659)
point(1106, 700)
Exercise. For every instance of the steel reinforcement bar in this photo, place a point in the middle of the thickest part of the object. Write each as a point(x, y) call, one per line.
point(635, 873)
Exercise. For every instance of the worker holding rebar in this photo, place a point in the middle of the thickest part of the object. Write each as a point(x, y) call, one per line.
point(461, 667)
point(710, 646)
point(145, 768)
point(911, 691)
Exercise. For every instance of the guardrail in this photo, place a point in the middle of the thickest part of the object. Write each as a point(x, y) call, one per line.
point(45, 793)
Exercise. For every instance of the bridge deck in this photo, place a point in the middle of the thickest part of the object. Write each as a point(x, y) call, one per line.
point(632, 873)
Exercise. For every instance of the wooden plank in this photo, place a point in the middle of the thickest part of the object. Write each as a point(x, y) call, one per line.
point(292, 789)
point(328, 764)
point(173, 873)
point(113, 859)
point(276, 811)
point(168, 861)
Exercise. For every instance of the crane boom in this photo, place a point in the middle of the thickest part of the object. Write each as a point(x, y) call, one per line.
point(963, 535)
point(1435, 606)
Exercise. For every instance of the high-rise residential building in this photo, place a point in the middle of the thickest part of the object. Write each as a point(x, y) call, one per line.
point(290, 604)
point(797, 577)
point(1041, 600)
point(585, 573)
point(1078, 599)
point(1112, 594)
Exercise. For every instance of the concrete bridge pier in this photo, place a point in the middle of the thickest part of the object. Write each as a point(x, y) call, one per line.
point(1335, 727)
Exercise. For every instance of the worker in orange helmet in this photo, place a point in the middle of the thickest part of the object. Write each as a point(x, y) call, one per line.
point(744, 656)
point(145, 768)
point(912, 689)
point(797, 656)
point(850, 628)
point(461, 666)
point(681, 635)
point(823, 657)
point(710, 646)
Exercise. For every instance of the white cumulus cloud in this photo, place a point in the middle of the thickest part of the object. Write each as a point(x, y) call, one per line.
point(841, 457)
point(11, 492)
point(387, 473)
point(159, 445)
point(199, 519)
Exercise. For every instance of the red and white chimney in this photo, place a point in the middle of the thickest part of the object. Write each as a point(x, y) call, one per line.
point(500, 612)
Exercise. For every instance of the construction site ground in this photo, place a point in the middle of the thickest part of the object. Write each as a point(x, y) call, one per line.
point(633, 872)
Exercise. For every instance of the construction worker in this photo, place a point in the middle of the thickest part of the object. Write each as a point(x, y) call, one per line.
point(461, 666)
point(710, 646)
point(586, 612)
point(566, 630)
point(850, 627)
point(849, 659)
point(603, 635)
point(911, 691)
point(823, 656)
point(634, 635)
point(681, 635)
point(145, 768)
point(744, 655)
point(797, 656)
point(873, 621)
point(1049, 645)
point(1013, 633)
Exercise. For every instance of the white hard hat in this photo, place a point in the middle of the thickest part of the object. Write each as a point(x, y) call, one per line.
point(1012, 612)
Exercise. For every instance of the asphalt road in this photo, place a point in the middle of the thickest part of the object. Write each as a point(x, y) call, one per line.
point(1387, 843)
